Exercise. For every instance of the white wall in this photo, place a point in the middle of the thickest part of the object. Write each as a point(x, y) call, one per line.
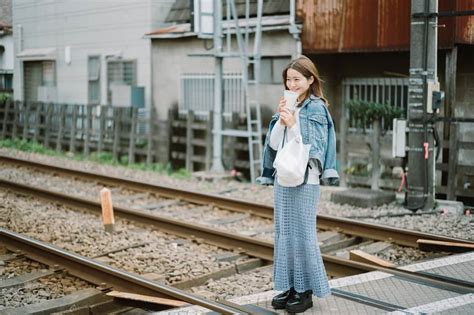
point(171, 58)
point(8, 55)
point(89, 27)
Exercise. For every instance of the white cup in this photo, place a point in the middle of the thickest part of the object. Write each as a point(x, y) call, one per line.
point(290, 98)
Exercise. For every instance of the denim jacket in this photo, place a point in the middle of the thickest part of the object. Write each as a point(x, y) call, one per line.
point(317, 129)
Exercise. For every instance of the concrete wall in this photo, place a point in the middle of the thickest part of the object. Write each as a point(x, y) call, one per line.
point(89, 27)
point(171, 58)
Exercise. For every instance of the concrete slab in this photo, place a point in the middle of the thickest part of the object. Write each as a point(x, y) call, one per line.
point(450, 206)
point(365, 198)
point(381, 287)
point(463, 304)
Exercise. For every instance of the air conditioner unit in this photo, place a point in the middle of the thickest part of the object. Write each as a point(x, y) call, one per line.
point(47, 94)
point(127, 95)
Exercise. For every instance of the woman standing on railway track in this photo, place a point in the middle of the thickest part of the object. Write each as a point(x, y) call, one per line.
point(298, 268)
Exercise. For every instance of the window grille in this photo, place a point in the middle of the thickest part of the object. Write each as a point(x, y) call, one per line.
point(121, 72)
point(392, 91)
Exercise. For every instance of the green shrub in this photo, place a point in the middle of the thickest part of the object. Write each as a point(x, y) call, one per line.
point(364, 113)
point(101, 158)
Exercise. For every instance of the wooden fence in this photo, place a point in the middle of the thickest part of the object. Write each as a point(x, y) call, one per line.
point(185, 140)
point(191, 142)
point(122, 131)
point(457, 167)
point(454, 168)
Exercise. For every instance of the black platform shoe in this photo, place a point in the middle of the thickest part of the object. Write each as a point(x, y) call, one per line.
point(279, 301)
point(300, 302)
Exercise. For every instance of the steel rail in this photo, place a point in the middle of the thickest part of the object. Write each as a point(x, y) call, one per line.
point(104, 275)
point(162, 190)
point(438, 281)
point(251, 246)
point(353, 227)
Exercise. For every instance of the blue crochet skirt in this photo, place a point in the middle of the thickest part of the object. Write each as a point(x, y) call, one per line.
point(297, 260)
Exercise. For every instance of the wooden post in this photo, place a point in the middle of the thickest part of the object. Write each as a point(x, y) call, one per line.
point(15, 119)
point(151, 132)
point(87, 130)
point(173, 115)
point(107, 210)
point(5, 118)
point(72, 140)
point(37, 121)
point(62, 123)
point(26, 120)
point(133, 130)
point(375, 155)
point(210, 123)
point(343, 152)
point(189, 141)
point(117, 127)
point(453, 161)
point(104, 110)
point(47, 124)
point(449, 104)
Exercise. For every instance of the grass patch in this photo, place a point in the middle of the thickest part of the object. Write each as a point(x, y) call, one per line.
point(100, 158)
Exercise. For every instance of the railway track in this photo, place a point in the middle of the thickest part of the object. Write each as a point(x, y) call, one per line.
point(248, 245)
point(257, 248)
point(324, 222)
point(110, 278)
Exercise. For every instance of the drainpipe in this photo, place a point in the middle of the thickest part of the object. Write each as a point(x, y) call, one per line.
point(294, 30)
point(20, 94)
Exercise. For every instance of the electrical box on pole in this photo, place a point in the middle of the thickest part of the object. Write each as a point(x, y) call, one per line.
point(399, 135)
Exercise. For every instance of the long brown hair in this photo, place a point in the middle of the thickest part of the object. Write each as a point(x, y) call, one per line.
point(308, 69)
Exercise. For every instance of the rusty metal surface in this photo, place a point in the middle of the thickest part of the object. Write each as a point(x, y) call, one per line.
point(465, 24)
point(373, 25)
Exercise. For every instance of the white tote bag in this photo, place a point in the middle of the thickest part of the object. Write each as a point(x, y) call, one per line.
point(291, 162)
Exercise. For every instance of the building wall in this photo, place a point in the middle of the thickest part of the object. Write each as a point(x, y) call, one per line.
point(7, 58)
point(89, 28)
point(6, 12)
point(171, 58)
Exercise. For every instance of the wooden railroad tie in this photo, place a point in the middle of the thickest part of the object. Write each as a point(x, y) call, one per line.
point(440, 246)
point(360, 256)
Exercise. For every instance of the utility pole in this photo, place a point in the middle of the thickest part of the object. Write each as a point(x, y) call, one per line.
point(218, 70)
point(423, 81)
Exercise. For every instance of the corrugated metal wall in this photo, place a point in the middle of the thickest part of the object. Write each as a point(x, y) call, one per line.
point(373, 25)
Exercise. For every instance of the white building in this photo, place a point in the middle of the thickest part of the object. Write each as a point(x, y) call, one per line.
point(6, 47)
point(179, 55)
point(84, 52)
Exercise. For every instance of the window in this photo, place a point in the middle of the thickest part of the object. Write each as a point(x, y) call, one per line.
point(121, 72)
point(93, 69)
point(49, 77)
point(270, 69)
point(6, 81)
